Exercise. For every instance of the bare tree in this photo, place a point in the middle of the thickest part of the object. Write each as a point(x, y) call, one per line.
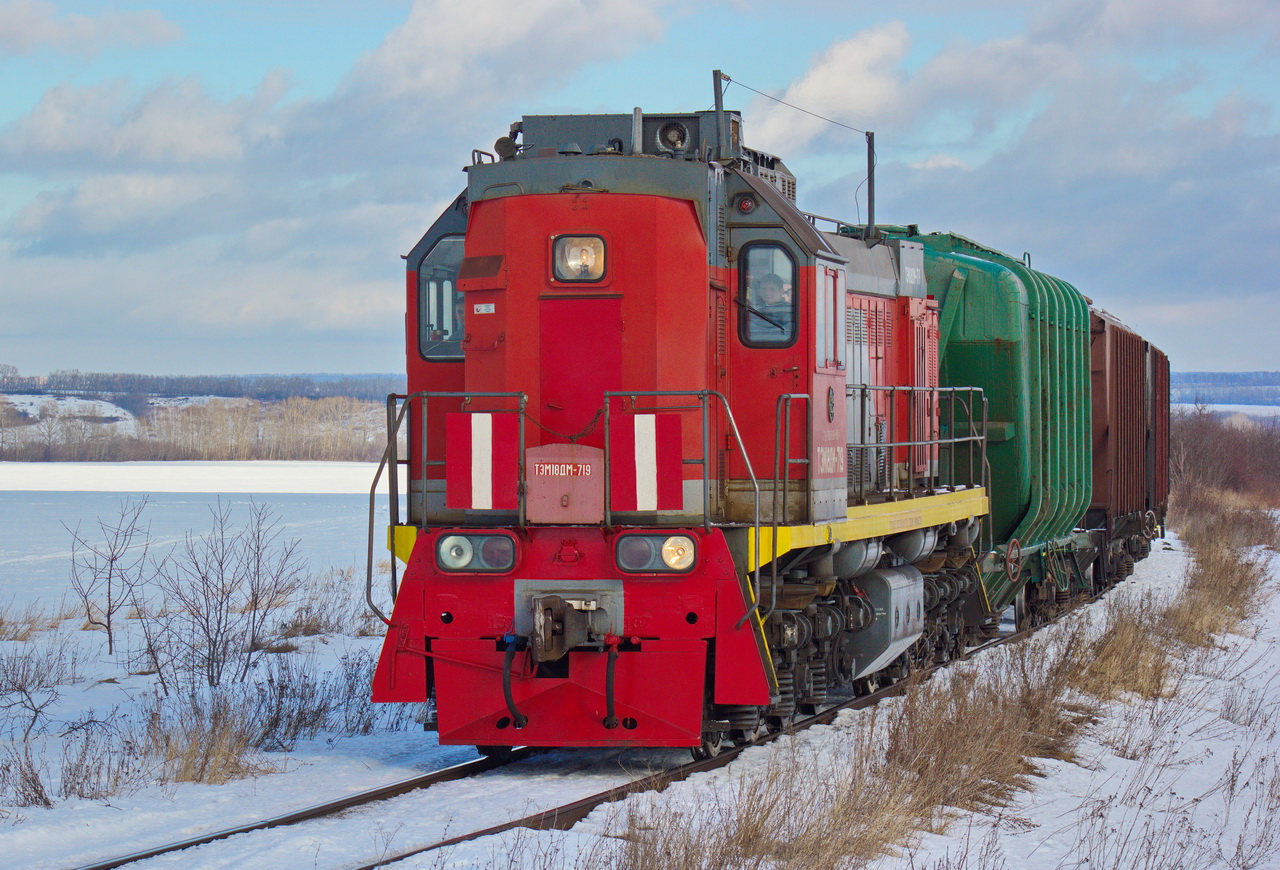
point(219, 593)
point(105, 574)
point(49, 426)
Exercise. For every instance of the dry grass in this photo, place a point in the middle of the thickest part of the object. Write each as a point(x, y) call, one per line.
point(1122, 659)
point(964, 741)
point(332, 602)
point(968, 739)
point(205, 739)
point(24, 625)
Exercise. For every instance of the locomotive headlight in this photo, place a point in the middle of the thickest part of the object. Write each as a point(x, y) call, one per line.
point(456, 552)
point(677, 552)
point(579, 258)
point(476, 553)
point(655, 554)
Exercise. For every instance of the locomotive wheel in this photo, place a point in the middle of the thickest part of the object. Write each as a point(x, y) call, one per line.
point(778, 724)
point(712, 743)
point(743, 736)
point(498, 752)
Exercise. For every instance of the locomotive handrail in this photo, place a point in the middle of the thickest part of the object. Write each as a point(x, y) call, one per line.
point(703, 396)
point(782, 463)
point(390, 457)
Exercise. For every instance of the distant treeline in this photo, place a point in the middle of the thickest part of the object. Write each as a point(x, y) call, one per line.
point(264, 388)
point(1225, 388)
point(337, 428)
point(1225, 379)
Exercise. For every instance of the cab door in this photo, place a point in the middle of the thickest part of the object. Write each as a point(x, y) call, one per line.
point(771, 286)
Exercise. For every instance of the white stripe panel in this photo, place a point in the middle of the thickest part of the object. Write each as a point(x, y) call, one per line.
point(482, 461)
point(646, 462)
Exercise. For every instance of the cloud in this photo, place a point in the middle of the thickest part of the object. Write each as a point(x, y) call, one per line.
point(1106, 24)
point(268, 220)
point(175, 123)
point(482, 48)
point(853, 81)
point(26, 26)
point(1136, 181)
point(941, 161)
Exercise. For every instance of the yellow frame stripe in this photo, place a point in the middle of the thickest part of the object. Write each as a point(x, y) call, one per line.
point(871, 521)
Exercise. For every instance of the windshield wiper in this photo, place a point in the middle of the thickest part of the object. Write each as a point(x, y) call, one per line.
point(758, 313)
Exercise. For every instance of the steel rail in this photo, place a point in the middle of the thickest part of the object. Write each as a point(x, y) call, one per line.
point(395, 789)
point(566, 816)
point(562, 817)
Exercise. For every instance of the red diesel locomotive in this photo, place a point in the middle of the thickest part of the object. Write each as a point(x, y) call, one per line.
point(679, 461)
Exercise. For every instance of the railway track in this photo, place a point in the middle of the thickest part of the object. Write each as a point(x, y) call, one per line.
point(566, 816)
point(328, 808)
point(558, 818)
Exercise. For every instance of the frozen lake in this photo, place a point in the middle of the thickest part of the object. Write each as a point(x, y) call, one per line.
point(324, 505)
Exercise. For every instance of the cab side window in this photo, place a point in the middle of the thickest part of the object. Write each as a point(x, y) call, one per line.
point(767, 296)
point(441, 316)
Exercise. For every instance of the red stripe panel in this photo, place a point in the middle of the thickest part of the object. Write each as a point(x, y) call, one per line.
point(670, 471)
point(622, 473)
point(457, 459)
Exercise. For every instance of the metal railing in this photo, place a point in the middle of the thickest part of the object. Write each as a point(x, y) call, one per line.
point(397, 409)
point(704, 398)
point(959, 413)
point(959, 442)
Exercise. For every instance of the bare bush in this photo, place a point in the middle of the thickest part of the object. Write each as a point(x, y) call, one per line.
point(23, 772)
point(29, 675)
point(331, 602)
point(101, 757)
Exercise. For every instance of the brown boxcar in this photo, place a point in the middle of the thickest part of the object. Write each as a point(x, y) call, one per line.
point(1130, 380)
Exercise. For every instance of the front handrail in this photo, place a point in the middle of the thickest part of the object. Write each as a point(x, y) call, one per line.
point(782, 463)
point(397, 407)
point(703, 397)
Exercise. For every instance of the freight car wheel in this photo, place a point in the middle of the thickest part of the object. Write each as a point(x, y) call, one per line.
point(1150, 525)
point(1021, 611)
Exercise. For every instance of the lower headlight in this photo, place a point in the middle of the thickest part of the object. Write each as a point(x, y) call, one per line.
point(456, 552)
point(677, 552)
point(477, 553)
point(649, 554)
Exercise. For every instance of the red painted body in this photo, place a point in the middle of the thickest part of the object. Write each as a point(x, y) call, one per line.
point(670, 624)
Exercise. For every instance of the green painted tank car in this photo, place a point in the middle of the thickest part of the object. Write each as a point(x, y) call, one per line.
point(1077, 421)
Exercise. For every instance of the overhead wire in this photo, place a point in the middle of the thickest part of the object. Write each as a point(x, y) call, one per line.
point(792, 105)
point(875, 158)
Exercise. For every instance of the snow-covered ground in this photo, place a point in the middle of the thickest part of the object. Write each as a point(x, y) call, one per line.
point(1189, 782)
point(1197, 787)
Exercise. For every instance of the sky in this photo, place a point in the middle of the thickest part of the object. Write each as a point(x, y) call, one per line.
point(227, 187)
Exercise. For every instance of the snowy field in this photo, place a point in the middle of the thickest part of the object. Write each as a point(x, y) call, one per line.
point(325, 505)
point(1260, 411)
point(1193, 784)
